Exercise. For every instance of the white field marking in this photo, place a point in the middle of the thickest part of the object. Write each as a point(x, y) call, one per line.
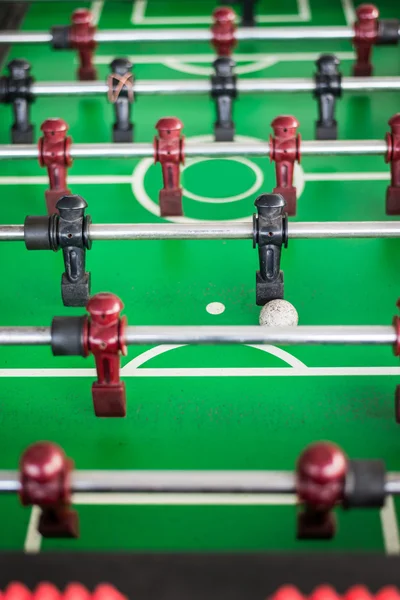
point(151, 59)
point(114, 179)
point(280, 353)
point(138, 16)
point(96, 8)
point(78, 179)
point(132, 367)
point(390, 528)
point(184, 499)
point(349, 12)
point(244, 161)
point(215, 308)
point(33, 539)
point(145, 357)
point(366, 176)
point(192, 69)
point(184, 62)
point(141, 195)
point(213, 372)
point(303, 7)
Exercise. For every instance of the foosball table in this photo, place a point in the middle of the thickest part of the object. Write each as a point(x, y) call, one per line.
point(200, 326)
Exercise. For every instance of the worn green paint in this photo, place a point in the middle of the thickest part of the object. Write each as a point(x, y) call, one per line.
point(193, 422)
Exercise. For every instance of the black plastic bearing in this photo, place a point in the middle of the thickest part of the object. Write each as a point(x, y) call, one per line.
point(365, 484)
point(67, 336)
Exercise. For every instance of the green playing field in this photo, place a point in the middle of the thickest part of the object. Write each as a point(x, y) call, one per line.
point(190, 407)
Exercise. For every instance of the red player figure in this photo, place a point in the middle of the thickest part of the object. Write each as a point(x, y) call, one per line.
point(54, 154)
point(321, 471)
point(73, 591)
point(285, 151)
point(366, 30)
point(169, 152)
point(393, 157)
point(223, 30)
point(16, 591)
point(81, 37)
point(45, 482)
point(396, 350)
point(104, 339)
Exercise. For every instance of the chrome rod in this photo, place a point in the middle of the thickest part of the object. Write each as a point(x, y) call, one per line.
point(243, 334)
point(203, 86)
point(221, 230)
point(218, 230)
point(25, 37)
point(344, 229)
point(209, 335)
point(242, 33)
point(181, 482)
point(12, 233)
point(211, 230)
point(203, 482)
point(343, 147)
point(69, 88)
point(189, 35)
point(192, 148)
point(25, 336)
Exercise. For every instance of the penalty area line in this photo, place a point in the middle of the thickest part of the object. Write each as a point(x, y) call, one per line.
point(390, 527)
point(33, 539)
point(139, 9)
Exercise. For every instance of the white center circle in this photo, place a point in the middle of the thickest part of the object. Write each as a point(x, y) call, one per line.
point(141, 195)
point(215, 308)
point(244, 161)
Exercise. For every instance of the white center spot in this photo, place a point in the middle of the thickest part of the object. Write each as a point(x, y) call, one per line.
point(215, 308)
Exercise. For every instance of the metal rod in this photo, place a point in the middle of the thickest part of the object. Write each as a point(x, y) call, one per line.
point(25, 336)
point(136, 150)
point(343, 147)
point(69, 88)
point(303, 335)
point(189, 35)
point(17, 152)
point(9, 482)
point(374, 335)
point(203, 86)
point(143, 150)
point(220, 149)
point(205, 482)
point(344, 229)
point(392, 484)
point(220, 230)
point(181, 482)
point(25, 37)
point(370, 84)
point(210, 230)
point(242, 33)
point(12, 233)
